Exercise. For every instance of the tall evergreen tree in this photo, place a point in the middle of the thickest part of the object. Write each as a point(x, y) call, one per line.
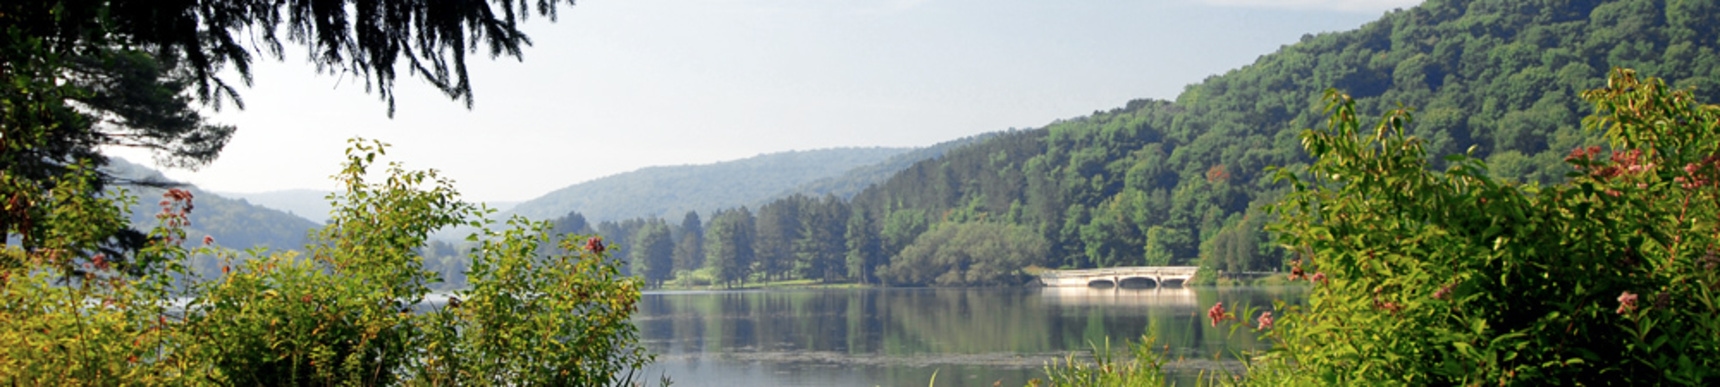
point(729, 245)
point(653, 252)
point(778, 227)
point(819, 252)
point(864, 254)
point(690, 247)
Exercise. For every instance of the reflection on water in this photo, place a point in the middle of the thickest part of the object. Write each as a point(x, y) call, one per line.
point(1120, 297)
point(867, 337)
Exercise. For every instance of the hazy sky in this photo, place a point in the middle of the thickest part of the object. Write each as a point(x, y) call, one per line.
point(616, 85)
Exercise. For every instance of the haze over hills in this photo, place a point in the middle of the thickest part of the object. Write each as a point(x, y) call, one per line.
point(667, 191)
point(854, 180)
point(309, 203)
point(234, 223)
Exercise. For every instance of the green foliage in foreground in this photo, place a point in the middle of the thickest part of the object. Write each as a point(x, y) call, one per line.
point(1459, 278)
point(348, 313)
point(1144, 368)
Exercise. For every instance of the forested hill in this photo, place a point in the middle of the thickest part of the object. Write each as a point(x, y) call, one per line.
point(675, 190)
point(233, 223)
point(1181, 182)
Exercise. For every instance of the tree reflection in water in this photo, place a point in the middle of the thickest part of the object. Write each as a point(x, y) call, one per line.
point(971, 337)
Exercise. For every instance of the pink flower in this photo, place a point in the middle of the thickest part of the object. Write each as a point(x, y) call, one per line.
point(1626, 302)
point(1217, 313)
point(1318, 277)
point(1443, 291)
point(1265, 320)
point(208, 240)
point(595, 245)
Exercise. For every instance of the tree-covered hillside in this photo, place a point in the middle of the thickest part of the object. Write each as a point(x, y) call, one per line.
point(1180, 182)
point(674, 190)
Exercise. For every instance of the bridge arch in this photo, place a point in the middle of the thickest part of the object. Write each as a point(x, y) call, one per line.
point(1138, 282)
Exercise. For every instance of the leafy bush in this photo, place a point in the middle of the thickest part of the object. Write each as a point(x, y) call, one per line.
point(1457, 277)
point(967, 254)
point(350, 311)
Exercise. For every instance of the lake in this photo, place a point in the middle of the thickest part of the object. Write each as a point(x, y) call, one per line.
point(899, 337)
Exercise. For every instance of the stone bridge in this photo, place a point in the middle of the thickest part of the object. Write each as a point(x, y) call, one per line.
point(1136, 276)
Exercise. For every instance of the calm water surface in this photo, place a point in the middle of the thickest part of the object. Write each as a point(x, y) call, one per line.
point(899, 337)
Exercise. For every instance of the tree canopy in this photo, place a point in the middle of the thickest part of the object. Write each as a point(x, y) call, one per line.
point(78, 75)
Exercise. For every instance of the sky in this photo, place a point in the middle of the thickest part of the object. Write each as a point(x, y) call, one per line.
point(617, 85)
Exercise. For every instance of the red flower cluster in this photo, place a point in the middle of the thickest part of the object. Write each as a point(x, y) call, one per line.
point(595, 245)
point(1265, 321)
point(1443, 291)
point(1296, 272)
point(1622, 164)
point(1700, 173)
point(1626, 302)
point(175, 211)
point(1217, 313)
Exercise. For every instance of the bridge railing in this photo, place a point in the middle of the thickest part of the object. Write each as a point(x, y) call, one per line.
point(1119, 271)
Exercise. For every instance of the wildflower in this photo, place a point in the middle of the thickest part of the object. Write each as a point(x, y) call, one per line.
point(595, 245)
point(1296, 272)
point(1626, 302)
point(1217, 313)
point(208, 240)
point(1443, 291)
point(100, 261)
point(1265, 320)
point(1318, 277)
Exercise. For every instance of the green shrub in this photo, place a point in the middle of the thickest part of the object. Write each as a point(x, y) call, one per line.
point(346, 312)
point(1457, 277)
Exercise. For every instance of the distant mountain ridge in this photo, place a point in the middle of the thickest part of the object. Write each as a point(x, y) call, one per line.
point(307, 203)
point(854, 180)
point(670, 191)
